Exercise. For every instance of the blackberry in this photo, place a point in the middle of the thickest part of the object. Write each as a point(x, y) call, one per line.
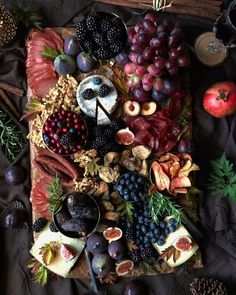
point(81, 31)
point(129, 233)
point(103, 53)
point(98, 130)
point(116, 124)
point(100, 141)
point(39, 224)
point(105, 25)
point(100, 40)
point(147, 253)
point(135, 256)
point(66, 139)
point(88, 94)
point(53, 227)
point(113, 35)
point(104, 90)
point(91, 22)
point(116, 22)
point(89, 45)
point(116, 47)
point(108, 133)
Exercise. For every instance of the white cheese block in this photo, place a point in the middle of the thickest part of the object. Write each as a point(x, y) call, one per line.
point(58, 265)
point(109, 102)
point(184, 255)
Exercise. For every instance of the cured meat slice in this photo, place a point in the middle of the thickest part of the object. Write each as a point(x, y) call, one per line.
point(53, 35)
point(39, 197)
point(38, 77)
point(139, 124)
point(143, 137)
point(42, 88)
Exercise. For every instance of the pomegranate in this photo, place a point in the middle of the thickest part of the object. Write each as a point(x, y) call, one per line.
point(220, 99)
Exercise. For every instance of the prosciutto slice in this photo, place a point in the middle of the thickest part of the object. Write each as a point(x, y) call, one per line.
point(41, 75)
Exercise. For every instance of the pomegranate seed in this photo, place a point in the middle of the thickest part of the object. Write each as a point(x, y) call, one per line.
point(64, 129)
point(77, 126)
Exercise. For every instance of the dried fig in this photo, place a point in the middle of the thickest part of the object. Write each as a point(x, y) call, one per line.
point(78, 226)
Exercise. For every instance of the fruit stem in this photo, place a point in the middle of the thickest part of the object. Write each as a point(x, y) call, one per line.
point(222, 94)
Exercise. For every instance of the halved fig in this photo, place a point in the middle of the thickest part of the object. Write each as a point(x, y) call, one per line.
point(124, 137)
point(183, 243)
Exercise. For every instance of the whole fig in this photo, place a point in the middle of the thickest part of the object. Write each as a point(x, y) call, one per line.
point(64, 64)
point(85, 62)
point(71, 45)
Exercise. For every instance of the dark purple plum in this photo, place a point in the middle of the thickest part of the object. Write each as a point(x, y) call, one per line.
point(140, 95)
point(15, 175)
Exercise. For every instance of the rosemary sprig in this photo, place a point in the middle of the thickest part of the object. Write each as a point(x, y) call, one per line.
point(11, 140)
point(55, 195)
point(161, 206)
point(126, 208)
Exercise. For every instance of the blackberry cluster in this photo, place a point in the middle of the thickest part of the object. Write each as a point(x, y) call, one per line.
point(81, 31)
point(102, 34)
point(66, 138)
point(103, 53)
point(116, 47)
point(100, 40)
point(104, 90)
point(39, 224)
point(91, 22)
point(131, 187)
point(105, 25)
point(113, 35)
point(135, 256)
point(53, 227)
point(103, 137)
point(88, 94)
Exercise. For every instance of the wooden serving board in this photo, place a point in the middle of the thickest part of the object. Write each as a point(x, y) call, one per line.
point(80, 269)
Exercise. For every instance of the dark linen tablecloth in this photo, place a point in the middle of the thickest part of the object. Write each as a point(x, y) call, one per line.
point(211, 136)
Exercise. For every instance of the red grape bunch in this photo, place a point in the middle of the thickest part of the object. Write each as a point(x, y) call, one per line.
point(157, 52)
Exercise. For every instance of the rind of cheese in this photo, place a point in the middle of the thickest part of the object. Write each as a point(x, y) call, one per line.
point(184, 255)
point(108, 102)
point(58, 265)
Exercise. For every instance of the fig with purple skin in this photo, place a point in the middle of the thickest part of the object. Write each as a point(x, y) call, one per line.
point(116, 249)
point(71, 45)
point(85, 62)
point(96, 243)
point(64, 64)
point(102, 264)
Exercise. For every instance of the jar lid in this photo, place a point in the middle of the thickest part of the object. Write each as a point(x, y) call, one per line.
point(209, 50)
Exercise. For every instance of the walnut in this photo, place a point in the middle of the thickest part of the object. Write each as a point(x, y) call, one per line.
point(86, 184)
point(111, 158)
point(84, 157)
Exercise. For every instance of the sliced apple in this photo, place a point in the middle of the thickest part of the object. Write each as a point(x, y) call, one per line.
point(148, 108)
point(131, 108)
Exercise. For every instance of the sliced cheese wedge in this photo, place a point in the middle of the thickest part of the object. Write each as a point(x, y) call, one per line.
point(184, 255)
point(58, 265)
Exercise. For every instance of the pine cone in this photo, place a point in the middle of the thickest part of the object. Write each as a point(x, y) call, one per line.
point(205, 286)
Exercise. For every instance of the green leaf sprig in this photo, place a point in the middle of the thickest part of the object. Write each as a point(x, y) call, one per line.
point(161, 206)
point(126, 208)
point(49, 52)
point(28, 15)
point(55, 195)
point(11, 140)
point(39, 271)
point(222, 178)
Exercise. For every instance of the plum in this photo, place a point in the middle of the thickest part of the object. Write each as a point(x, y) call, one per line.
point(102, 264)
point(85, 62)
point(96, 243)
point(15, 175)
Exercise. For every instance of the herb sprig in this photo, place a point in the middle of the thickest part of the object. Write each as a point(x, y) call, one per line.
point(11, 140)
point(161, 206)
point(222, 178)
point(55, 195)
